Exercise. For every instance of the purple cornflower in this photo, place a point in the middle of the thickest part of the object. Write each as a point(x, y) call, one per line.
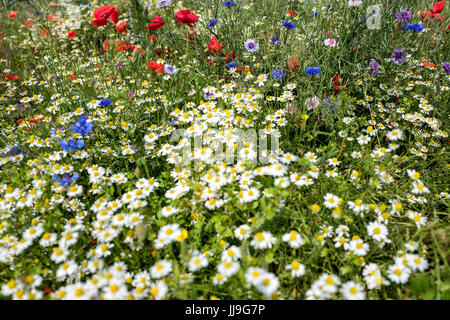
point(251, 45)
point(403, 15)
point(373, 64)
point(446, 67)
point(170, 69)
point(398, 56)
point(163, 3)
point(275, 40)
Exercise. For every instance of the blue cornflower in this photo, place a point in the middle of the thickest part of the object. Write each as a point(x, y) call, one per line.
point(71, 144)
point(315, 14)
point(277, 74)
point(66, 179)
point(414, 27)
point(289, 25)
point(228, 3)
point(275, 40)
point(105, 102)
point(231, 65)
point(312, 71)
point(82, 126)
point(329, 105)
point(37, 13)
point(12, 152)
point(212, 23)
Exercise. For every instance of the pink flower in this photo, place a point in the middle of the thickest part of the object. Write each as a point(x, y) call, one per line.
point(330, 42)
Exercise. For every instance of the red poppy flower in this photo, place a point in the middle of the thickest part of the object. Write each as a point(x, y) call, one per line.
point(438, 7)
point(186, 17)
point(157, 67)
point(191, 36)
point(428, 64)
point(103, 14)
point(293, 63)
point(214, 45)
point(12, 15)
point(71, 34)
point(11, 76)
point(227, 58)
point(291, 13)
point(157, 22)
point(122, 27)
point(52, 17)
point(44, 32)
point(27, 23)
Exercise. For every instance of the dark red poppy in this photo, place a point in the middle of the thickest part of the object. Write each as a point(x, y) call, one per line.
point(152, 38)
point(214, 45)
point(191, 36)
point(103, 14)
point(156, 23)
point(71, 34)
point(228, 59)
point(186, 17)
point(122, 27)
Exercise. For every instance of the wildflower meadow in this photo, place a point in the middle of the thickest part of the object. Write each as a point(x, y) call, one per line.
point(247, 149)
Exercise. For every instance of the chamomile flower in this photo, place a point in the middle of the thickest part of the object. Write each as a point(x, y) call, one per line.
point(263, 240)
point(297, 269)
point(242, 232)
point(398, 273)
point(228, 268)
point(197, 262)
point(161, 269)
point(331, 201)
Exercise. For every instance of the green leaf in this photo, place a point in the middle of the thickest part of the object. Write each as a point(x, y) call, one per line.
point(269, 257)
point(228, 233)
point(419, 284)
